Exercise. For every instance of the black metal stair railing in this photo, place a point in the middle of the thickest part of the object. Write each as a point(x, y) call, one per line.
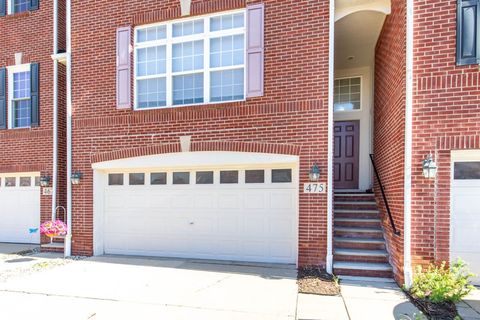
point(395, 231)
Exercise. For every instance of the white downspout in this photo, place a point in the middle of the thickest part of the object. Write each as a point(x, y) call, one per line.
point(408, 148)
point(68, 238)
point(331, 77)
point(55, 111)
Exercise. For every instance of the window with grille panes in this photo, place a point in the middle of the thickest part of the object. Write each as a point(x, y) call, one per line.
point(193, 61)
point(347, 94)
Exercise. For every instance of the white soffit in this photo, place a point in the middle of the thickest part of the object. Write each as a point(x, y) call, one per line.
point(356, 36)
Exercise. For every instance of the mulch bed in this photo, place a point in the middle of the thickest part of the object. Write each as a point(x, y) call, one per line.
point(435, 311)
point(313, 280)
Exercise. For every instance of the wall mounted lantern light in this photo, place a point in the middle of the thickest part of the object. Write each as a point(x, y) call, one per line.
point(314, 173)
point(44, 181)
point(76, 177)
point(429, 167)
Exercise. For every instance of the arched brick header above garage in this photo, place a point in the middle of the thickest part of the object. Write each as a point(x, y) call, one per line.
point(231, 146)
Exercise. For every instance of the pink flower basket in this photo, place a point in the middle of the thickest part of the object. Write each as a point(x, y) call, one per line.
point(53, 228)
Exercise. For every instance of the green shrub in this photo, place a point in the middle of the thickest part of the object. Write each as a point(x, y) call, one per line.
point(441, 284)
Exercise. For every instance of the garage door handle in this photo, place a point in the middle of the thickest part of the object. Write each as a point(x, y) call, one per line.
point(192, 223)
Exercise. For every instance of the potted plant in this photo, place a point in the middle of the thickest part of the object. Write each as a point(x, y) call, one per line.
point(53, 229)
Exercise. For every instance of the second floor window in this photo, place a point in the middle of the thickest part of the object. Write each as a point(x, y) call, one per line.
point(191, 61)
point(21, 99)
point(20, 5)
point(19, 93)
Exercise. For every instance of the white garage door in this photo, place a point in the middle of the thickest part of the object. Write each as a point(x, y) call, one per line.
point(465, 212)
point(226, 214)
point(20, 207)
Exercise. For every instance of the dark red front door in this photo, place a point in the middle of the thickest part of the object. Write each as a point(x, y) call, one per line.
point(347, 142)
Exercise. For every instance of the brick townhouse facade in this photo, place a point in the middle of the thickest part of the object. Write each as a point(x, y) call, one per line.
point(445, 123)
point(291, 132)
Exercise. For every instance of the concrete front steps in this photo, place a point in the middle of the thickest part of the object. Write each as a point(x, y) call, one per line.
point(359, 245)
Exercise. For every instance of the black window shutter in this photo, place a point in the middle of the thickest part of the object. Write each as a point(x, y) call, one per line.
point(3, 98)
point(34, 95)
point(3, 8)
point(34, 4)
point(467, 32)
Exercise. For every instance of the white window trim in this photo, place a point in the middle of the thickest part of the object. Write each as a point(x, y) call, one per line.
point(361, 94)
point(10, 6)
point(206, 36)
point(12, 70)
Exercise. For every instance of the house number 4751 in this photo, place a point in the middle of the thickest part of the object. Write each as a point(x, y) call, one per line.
point(314, 188)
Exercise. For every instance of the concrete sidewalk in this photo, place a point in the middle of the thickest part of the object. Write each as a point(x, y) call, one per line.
point(469, 308)
point(360, 300)
point(114, 287)
point(14, 248)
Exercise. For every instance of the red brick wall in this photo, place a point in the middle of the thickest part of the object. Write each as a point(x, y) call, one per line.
point(292, 115)
point(30, 149)
point(446, 117)
point(389, 126)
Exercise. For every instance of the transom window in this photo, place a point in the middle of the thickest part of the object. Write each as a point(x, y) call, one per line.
point(347, 94)
point(190, 62)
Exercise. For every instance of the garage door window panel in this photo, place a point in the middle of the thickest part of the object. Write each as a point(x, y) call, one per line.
point(158, 178)
point(136, 179)
point(37, 181)
point(25, 181)
point(204, 177)
point(255, 176)
point(10, 182)
point(181, 178)
point(467, 170)
point(281, 175)
point(115, 179)
point(228, 177)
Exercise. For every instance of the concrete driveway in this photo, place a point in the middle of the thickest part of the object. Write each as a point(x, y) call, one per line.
point(112, 287)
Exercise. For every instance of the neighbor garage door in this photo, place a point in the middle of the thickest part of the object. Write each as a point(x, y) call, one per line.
point(465, 204)
point(19, 207)
point(219, 213)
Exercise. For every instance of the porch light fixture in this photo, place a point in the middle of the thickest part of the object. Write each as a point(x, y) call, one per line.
point(44, 181)
point(429, 167)
point(314, 173)
point(76, 177)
